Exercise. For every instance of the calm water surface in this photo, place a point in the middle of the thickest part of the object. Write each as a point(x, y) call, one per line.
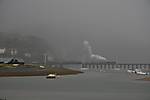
point(88, 86)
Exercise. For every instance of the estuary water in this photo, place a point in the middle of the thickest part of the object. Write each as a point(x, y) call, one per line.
point(91, 85)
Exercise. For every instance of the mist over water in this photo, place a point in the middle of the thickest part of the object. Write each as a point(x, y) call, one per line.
point(76, 30)
point(115, 28)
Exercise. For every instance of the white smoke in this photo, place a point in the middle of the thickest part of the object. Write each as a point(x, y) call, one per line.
point(87, 45)
point(93, 56)
point(98, 57)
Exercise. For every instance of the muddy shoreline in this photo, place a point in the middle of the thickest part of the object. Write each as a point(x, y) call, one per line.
point(39, 72)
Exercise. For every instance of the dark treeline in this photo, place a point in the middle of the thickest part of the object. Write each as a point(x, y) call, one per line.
point(27, 46)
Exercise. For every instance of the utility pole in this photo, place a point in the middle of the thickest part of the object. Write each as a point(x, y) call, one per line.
point(45, 58)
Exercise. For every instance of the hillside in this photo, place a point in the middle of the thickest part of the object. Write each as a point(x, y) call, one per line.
point(24, 46)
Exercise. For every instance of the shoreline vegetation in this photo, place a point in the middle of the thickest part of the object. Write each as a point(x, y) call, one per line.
point(34, 70)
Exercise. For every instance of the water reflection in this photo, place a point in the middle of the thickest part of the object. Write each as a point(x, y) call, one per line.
point(87, 86)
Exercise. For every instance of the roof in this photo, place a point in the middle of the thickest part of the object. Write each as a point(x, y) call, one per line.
point(9, 60)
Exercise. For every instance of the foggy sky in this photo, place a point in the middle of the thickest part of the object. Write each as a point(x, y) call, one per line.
point(114, 28)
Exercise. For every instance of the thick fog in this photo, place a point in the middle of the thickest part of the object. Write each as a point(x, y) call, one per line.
point(115, 29)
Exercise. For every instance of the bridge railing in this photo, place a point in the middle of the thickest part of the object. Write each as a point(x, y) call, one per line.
point(113, 66)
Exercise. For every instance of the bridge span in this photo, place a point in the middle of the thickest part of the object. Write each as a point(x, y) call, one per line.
point(107, 65)
point(114, 66)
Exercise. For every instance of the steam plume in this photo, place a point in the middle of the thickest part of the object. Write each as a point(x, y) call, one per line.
point(92, 56)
